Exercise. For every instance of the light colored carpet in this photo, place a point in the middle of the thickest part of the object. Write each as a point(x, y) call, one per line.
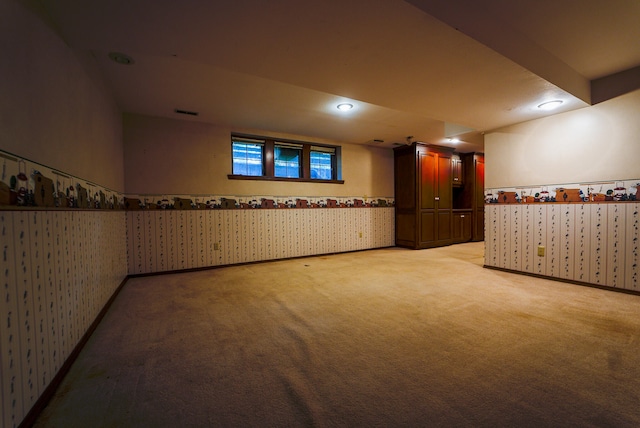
point(388, 337)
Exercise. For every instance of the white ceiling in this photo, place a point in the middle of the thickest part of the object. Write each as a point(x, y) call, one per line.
point(281, 66)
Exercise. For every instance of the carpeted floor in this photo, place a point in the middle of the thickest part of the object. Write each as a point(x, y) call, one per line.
point(388, 337)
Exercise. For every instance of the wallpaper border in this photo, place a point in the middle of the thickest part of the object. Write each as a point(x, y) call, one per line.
point(597, 191)
point(26, 184)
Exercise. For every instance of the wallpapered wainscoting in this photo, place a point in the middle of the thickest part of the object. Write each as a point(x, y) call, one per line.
point(167, 240)
point(595, 243)
point(59, 269)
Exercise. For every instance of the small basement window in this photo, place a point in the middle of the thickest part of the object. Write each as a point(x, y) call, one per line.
point(263, 158)
point(323, 162)
point(248, 157)
point(288, 160)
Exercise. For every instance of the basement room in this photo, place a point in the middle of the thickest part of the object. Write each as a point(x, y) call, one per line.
point(320, 213)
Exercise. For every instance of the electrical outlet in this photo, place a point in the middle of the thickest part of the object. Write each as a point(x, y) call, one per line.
point(216, 246)
point(359, 234)
point(541, 250)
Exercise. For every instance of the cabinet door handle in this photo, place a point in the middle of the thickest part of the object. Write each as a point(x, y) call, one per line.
point(437, 198)
point(462, 216)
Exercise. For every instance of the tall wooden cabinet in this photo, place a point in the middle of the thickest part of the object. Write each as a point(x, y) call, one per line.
point(439, 196)
point(423, 196)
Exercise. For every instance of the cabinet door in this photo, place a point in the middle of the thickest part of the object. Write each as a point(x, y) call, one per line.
point(479, 183)
point(456, 228)
point(467, 227)
point(428, 224)
point(436, 199)
point(435, 181)
point(427, 216)
point(461, 227)
point(428, 189)
point(444, 198)
point(444, 195)
point(444, 226)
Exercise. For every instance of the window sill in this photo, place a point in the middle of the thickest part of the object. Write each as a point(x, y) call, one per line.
point(294, 180)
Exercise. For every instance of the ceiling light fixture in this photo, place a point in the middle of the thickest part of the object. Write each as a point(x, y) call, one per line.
point(121, 58)
point(453, 140)
point(550, 105)
point(345, 106)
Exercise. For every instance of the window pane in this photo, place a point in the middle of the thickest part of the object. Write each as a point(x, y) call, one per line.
point(247, 158)
point(287, 161)
point(322, 165)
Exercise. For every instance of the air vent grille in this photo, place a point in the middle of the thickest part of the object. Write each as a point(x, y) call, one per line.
point(187, 112)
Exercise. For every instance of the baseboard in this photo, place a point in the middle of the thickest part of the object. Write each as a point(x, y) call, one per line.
point(567, 281)
point(198, 269)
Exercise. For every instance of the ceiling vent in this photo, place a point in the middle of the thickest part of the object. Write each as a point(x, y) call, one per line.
point(187, 112)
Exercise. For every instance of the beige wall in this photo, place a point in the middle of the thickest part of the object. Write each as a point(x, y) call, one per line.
point(54, 108)
point(165, 156)
point(597, 143)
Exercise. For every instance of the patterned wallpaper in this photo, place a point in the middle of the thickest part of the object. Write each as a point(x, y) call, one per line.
point(596, 243)
point(166, 240)
point(59, 270)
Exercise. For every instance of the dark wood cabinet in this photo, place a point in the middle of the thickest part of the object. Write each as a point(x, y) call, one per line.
point(424, 197)
point(462, 226)
point(433, 208)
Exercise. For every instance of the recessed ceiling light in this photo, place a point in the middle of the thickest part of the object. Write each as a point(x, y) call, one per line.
point(550, 105)
point(453, 140)
point(121, 58)
point(345, 106)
